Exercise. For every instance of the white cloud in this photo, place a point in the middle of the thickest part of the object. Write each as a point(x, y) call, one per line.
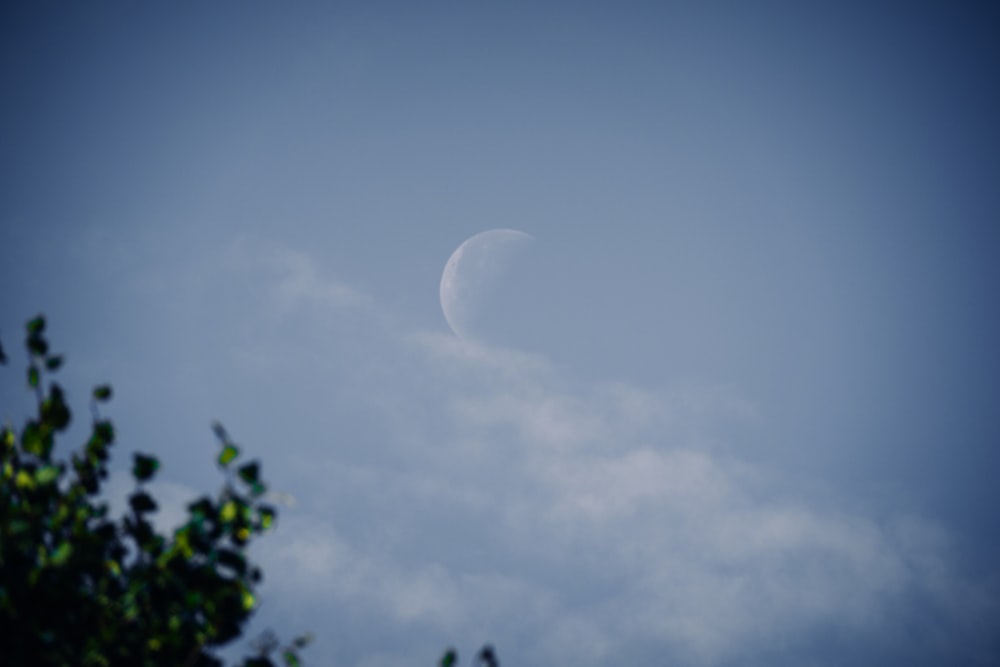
point(458, 358)
point(582, 521)
point(294, 280)
point(603, 489)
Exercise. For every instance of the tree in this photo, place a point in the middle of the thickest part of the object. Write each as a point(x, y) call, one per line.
point(78, 586)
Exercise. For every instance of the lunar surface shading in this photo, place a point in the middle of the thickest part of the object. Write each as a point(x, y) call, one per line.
point(473, 272)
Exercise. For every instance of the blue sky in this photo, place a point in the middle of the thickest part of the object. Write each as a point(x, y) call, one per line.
point(736, 403)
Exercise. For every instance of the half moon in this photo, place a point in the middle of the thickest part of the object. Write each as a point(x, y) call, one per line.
point(472, 273)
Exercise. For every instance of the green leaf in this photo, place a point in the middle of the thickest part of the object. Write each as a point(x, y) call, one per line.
point(449, 658)
point(250, 473)
point(248, 600)
point(144, 467)
point(62, 553)
point(33, 377)
point(97, 449)
point(141, 502)
point(36, 326)
point(47, 474)
point(24, 480)
point(228, 455)
point(37, 345)
point(229, 511)
point(267, 515)
point(36, 440)
point(201, 509)
point(53, 363)
point(291, 660)
point(105, 431)
point(54, 410)
point(102, 392)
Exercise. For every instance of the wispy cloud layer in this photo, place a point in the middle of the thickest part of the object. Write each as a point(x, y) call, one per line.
point(292, 277)
point(583, 521)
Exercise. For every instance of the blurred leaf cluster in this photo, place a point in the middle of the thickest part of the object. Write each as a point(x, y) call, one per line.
point(80, 587)
point(486, 657)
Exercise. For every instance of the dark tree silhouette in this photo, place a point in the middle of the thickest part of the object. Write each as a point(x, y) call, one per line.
point(79, 587)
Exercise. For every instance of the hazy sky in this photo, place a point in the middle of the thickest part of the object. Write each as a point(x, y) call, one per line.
point(738, 403)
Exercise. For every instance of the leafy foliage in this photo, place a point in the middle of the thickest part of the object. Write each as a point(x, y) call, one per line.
point(80, 587)
point(487, 657)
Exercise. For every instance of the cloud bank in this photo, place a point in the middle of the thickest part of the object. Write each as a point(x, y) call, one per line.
point(574, 522)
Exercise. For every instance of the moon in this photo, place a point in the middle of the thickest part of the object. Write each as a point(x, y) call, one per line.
point(472, 273)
